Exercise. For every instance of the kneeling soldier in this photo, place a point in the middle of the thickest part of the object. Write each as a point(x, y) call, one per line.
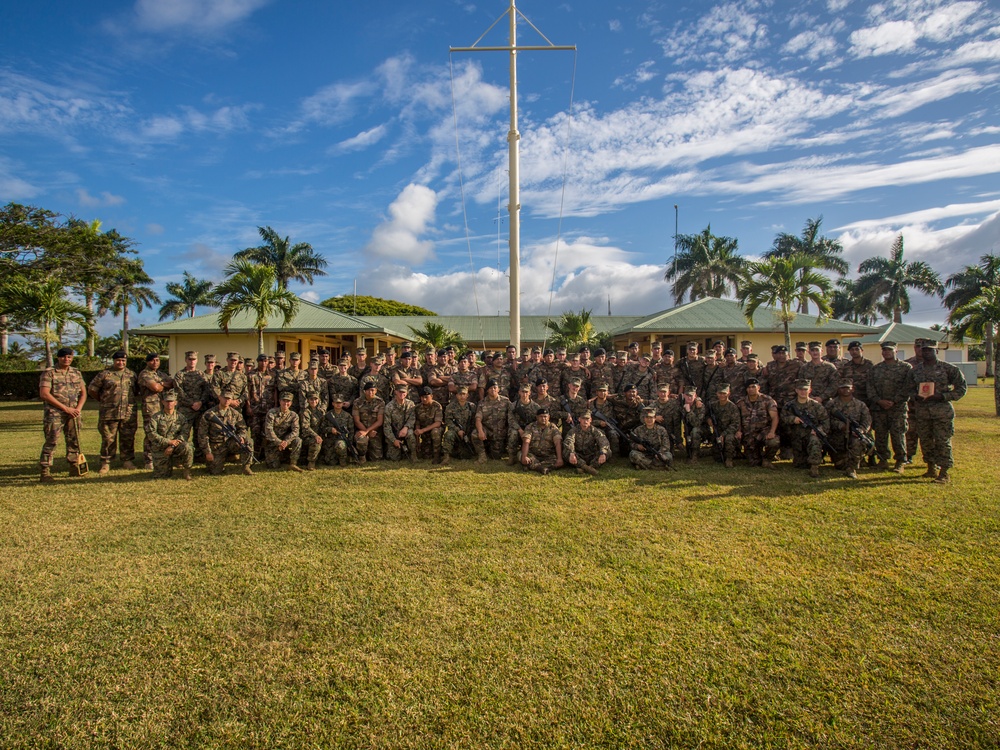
point(541, 448)
point(400, 417)
point(164, 432)
point(586, 446)
point(806, 442)
point(847, 412)
point(650, 444)
point(458, 416)
point(216, 444)
point(337, 429)
point(726, 425)
point(428, 426)
point(281, 433)
point(310, 427)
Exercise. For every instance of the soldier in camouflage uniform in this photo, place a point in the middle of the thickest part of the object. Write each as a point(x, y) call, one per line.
point(409, 375)
point(603, 404)
point(934, 386)
point(491, 423)
point(429, 426)
point(231, 378)
point(343, 384)
point(439, 378)
point(459, 417)
point(693, 414)
point(834, 353)
point(259, 393)
point(692, 369)
point(759, 420)
point(541, 447)
point(400, 420)
point(369, 415)
point(337, 429)
point(383, 382)
point(163, 435)
point(326, 368)
point(822, 374)
point(586, 448)
point(733, 373)
point(360, 367)
point(62, 390)
point(778, 382)
point(887, 393)
point(626, 409)
point(726, 425)
point(573, 405)
point(643, 378)
point(118, 420)
point(668, 415)
point(192, 390)
point(311, 384)
point(311, 429)
point(807, 447)
point(281, 433)
point(650, 444)
point(858, 370)
point(152, 384)
point(216, 445)
point(574, 371)
point(521, 414)
point(850, 449)
point(600, 372)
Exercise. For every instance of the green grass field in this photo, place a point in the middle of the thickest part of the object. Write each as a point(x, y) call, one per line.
point(459, 607)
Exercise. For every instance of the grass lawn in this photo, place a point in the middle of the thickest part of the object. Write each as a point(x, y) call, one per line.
point(465, 607)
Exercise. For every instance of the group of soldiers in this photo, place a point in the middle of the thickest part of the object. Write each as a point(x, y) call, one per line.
point(544, 410)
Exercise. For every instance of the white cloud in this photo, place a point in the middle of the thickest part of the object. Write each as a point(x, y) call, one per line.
point(913, 22)
point(170, 127)
point(727, 33)
point(310, 296)
point(892, 36)
point(899, 100)
point(398, 237)
point(155, 229)
point(13, 187)
point(614, 25)
point(361, 141)
point(196, 16)
point(812, 44)
point(105, 199)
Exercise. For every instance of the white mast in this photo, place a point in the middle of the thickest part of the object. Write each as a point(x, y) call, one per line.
point(513, 156)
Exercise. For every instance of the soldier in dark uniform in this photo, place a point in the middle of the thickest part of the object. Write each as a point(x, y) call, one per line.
point(887, 392)
point(807, 446)
point(935, 385)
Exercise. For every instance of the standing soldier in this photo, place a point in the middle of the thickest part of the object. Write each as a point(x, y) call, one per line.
point(746, 349)
point(192, 390)
point(692, 368)
point(778, 381)
point(63, 392)
point(643, 378)
point(164, 431)
point(491, 423)
point(726, 425)
point(732, 373)
point(343, 384)
point(668, 415)
point(216, 444)
point(409, 375)
point(311, 429)
point(400, 418)
point(281, 433)
point(311, 384)
point(601, 404)
point(600, 372)
point(541, 447)
point(429, 425)
point(834, 353)
point(360, 367)
point(369, 414)
point(458, 416)
point(231, 378)
point(912, 438)
point(759, 426)
point(887, 402)
point(586, 448)
point(935, 385)
point(338, 429)
point(118, 419)
point(822, 374)
point(802, 352)
point(152, 385)
point(573, 404)
point(326, 368)
point(858, 370)
point(848, 414)
point(650, 444)
point(806, 441)
point(259, 393)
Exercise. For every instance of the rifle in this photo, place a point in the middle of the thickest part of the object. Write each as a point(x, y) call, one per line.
point(867, 444)
point(465, 439)
point(566, 408)
point(808, 422)
point(651, 449)
point(716, 437)
point(352, 446)
point(230, 433)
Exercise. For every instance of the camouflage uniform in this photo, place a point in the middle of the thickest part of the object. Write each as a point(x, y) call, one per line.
point(212, 439)
point(606, 409)
point(588, 445)
point(335, 444)
point(344, 386)
point(234, 381)
point(734, 376)
point(286, 380)
point(429, 443)
point(807, 449)
point(441, 371)
point(600, 374)
point(692, 373)
point(397, 416)
point(149, 403)
point(413, 373)
point(458, 417)
point(859, 373)
point(118, 418)
point(824, 378)
point(727, 422)
point(644, 382)
point(191, 387)
point(658, 439)
point(755, 417)
point(543, 447)
point(492, 415)
point(310, 428)
point(849, 449)
point(308, 386)
point(668, 416)
point(160, 430)
point(888, 382)
point(520, 416)
point(473, 381)
point(260, 391)
point(66, 386)
point(368, 413)
point(779, 379)
point(935, 420)
point(279, 428)
point(694, 424)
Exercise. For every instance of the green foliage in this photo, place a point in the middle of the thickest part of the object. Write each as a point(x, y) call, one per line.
point(253, 288)
point(814, 251)
point(705, 266)
point(884, 282)
point(290, 262)
point(17, 363)
point(188, 295)
point(366, 305)
point(572, 330)
point(436, 335)
point(781, 282)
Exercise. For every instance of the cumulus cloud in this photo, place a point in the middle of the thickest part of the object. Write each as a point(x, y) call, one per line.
point(104, 199)
point(912, 23)
point(398, 237)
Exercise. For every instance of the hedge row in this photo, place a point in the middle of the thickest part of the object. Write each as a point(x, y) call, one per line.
point(23, 386)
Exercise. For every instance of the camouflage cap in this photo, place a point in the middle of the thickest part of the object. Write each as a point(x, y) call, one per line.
point(536, 350)
point(560, 350)
point(889, 345)
point(279, 355)
point(286, 396)
point(262, 358)
point(232, 355)
point(930, 344)
point(313, 364)
point(337, 399)
point(187, 355)
point(312, 396)
point(754, 357)
point(586, 415)
point(462, 389)
point(401, 387)
point(663, 387)
point(692, 345)
point(209, 358)
point(295, 355)
point(369, 383)
point(803, 383)
point(649, 412)
point(656, 345)
point(361, 350)
point(231, 394)
point(690, 391)
point(168, 396)
point(815, 345)
point(668, 352)
point(602, 387)
point(746, 343)
point(576, 381)
point(845, 383)
point(724, 388)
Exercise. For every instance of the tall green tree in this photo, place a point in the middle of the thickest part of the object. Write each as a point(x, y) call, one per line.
point(819, 253)
point(253, 288)
point(885, 282)
point(572, 330)
point(436, 335)
point(44, 307)
point(975, 318)
point(968, 284)
point(706, 265)
point(364, 304)
point(187, 295)
point(126, 286)
point(846, 304)
point(90, 253)
point(298, 262)
point(783, 283)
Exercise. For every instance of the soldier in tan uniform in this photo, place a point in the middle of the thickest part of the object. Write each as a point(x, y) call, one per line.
point(164, 432)
point(61, 389)
point(118, 419)
point(152, 385)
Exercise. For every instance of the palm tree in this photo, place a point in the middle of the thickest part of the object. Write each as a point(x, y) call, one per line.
point(782, 283)
point(705, 266)
point(253, 288)
point(975, 318)
point(884, 282)
point(188, 295)
point(298, 262)
point(126, 288)
point(45, 305)
point(968, 284)
point(435, 335)
point(821, 253)
point(572, 330)
point(847, 306)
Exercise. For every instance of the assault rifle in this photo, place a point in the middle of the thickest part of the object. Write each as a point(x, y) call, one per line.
point(231, 433)
point(808, 422)
point(713, 421)
point(352, 446)
point(867, 444)
point(466, 440)
point(647, 446)
point(652, 450)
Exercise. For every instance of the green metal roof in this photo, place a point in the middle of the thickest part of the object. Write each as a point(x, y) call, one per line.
point(712, 315)
point(494, 328)
point(901, 333)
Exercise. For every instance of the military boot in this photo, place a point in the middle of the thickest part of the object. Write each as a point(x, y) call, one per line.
point(105, 468)
point(446, 459)
point(942, 477)
point(128, 466)
point(294, 467)
point(883, 464)
point(590, 470)
point(311, 466)
point(481, 457)
point(46, 475)
point(187, 475)
point(931, 472)
point(814, 471)
point(900, 467)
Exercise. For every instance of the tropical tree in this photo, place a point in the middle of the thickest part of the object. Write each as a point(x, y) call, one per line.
point(90, 253)
point(820, 253)
point(705, 266)
point(298, 262)
point(974, 318)
point(126, 286)
point(252, 288)
point(572, 330)
point(187, 295)
point(968, 284)
point(783, 283)
point(436, 335)
point(885, 282)
point(846, 305)
point(44, 306)
point(363, 304)
point(139, 345)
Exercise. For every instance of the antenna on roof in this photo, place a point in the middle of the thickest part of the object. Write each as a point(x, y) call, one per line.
point(609, 305)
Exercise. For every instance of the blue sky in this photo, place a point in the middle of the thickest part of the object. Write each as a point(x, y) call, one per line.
point(185, 124)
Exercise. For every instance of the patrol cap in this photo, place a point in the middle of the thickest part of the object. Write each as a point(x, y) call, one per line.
point(576, 381)
point(815, 345)
point(313, 396)
point(889, 345)
point(746, 343)
point(752, 381)
point(656, 345)
point(295, 355)
point(930, 344)
point(209, 358)
point(313, 364)
point(602, 386)
point(526, 387)
point(663, 387)
point(151, 356)
point(286, 396)
point(462, 389)
point(232, 355)
point(407, 345)
point(279, 355)
point(690, 391)
point(692, 344)
point(754, 357)
point(337, 399)
point(345, 360)
point(361, 350)
point(187, 355)
point(379, 360)
point(833, 342)
point(649, 412)
point(723, 388)
point(668, 352)
point(248, 361)
point(845, 383)
point(401, 387)
point(600, 352)
point(803, 383)
point(560, 350)
point(262, 358)
point(169, 396)
point(536, 350)
point(544, 410)
point(230, 393)
point(645, 356)
point(586, 415)
point(426, 391)
point(855, 345)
